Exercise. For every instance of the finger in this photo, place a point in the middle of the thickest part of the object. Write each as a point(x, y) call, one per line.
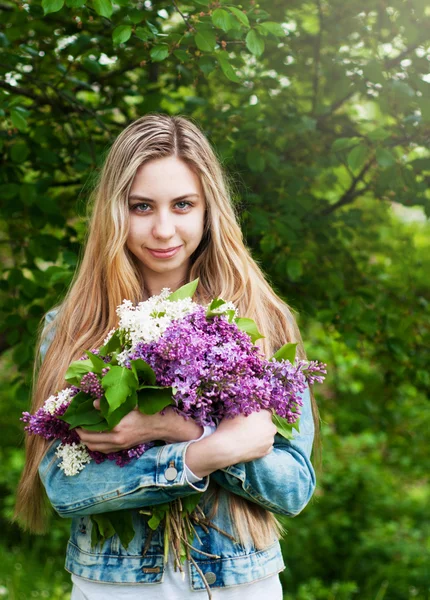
point(104, 448)
point(96, 404)
point(94, 437)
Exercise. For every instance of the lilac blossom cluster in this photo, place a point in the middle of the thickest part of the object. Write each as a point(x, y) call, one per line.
point(46, 423)
point(218, 372)
point(213, 366)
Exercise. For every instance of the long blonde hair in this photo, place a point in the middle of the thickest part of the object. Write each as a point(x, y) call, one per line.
point(108, 273)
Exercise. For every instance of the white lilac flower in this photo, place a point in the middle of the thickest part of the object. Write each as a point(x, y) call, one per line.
point(56, 401)
point(74, 457)
point(147, 321)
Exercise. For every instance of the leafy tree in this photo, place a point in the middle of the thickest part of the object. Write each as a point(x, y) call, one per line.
point(320, 113)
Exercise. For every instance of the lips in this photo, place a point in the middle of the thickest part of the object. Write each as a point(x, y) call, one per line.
point(164, 253)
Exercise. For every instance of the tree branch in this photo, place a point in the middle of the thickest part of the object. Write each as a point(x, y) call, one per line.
point(16, 89)
point(186, 20)
point(351, 193)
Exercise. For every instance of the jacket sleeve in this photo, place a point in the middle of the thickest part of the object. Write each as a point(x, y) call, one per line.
point(158, 476)
point(284, 480)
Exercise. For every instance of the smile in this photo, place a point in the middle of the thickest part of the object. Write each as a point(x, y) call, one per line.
point(168, 253)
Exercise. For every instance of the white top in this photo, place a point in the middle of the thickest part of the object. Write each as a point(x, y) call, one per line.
point(174, 586)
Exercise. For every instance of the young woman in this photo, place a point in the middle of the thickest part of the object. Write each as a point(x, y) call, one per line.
point(162, 216)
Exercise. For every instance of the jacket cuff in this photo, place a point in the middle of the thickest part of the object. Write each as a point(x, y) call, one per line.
point(171, 468)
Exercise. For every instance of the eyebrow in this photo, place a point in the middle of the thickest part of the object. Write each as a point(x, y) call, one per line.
point(140, 197)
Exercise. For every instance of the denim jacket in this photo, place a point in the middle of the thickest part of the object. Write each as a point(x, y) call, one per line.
point(282, 482)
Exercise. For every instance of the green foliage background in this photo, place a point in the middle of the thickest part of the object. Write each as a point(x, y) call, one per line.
point(320, 111)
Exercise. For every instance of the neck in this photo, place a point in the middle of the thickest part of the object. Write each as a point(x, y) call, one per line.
point(157, 281)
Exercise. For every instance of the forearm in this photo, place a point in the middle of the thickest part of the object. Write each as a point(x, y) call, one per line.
point(182, 431)
point(209, 455)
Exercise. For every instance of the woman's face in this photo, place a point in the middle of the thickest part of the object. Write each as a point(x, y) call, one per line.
point(167, 210)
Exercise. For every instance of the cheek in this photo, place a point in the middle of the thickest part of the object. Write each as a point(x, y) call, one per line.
point(198, 224)
point(136, 232)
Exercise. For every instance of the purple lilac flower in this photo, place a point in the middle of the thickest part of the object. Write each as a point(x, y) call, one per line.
point(216, 370)
point(47, 425)
point(91, 385)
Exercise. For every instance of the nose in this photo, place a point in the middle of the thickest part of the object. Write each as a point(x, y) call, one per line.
point(164, 226)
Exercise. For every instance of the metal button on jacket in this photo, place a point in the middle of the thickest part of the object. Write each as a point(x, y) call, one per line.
point(170, 473)
point(210, 577)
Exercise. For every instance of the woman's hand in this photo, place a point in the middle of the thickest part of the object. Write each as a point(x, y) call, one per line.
point(247, 438)
point(241, 439)
point(137, 428)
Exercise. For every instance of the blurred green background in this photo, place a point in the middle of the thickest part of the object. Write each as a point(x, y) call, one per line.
point(320, 113)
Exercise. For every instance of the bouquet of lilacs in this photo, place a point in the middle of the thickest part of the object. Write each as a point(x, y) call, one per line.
point(168, 350)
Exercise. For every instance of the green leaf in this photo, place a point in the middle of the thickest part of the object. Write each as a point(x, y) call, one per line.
point(136, 16)
point(103, 425)
point(274, 28)
point(226, 67)
point(121, 34)
point(254, 42)
point(240, 15)
point(81, 412)
point(144, 34)
point(344, 143)
point(159, 52)
point(118, 384)
point(284, 427)
point(186, 291)
point(189, 503)
point(77, 369)
point(286, 352)
point(122, 523)
point(50, 6)
point(215, 308)
point(216, 303)
point(102, 529)
point(182, 55)
point(152, 399)
point(223, 19)
point(250, 327)
point(205, 40)
point(206, 64)
point(151, 26)
point(75, 3)
point(96, 361)
point(18, 120)
point(114, 417)
point(103, 8)
point(357, 157)
point(384, 158)
point(112, 345)
point(378, 134)
point(158, 514)
point(19, 152)
point(143, 371)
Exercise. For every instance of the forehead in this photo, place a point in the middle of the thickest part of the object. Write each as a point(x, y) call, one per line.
point(165, 177)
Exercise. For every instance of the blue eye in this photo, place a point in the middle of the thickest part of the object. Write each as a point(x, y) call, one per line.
point(184, 204)
point(136, 206)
